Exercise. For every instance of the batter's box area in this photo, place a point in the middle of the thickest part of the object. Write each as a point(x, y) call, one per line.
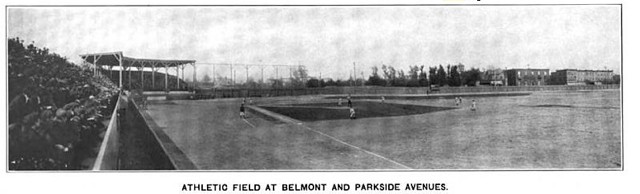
point(331, 111)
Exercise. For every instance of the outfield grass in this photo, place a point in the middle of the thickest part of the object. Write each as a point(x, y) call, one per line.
point(544, 130)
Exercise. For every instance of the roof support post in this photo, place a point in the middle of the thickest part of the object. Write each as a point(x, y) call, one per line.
point(110, 72)
point(166, 77)
point(213, 77)
point(195, 81)
point(95, 63)
point(129, 68)
point(183, 71)
point(153, 75)
point(141, 69)
point(99, 70)
point(119, 57)
point(290, 75)
point(178, 76)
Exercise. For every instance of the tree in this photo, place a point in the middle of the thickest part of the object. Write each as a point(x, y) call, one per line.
point(454, 76)
point(441, 76)
point(251, 84)
point(330, 82)
point(422, 78)
point(414, 74)
point(470, 77)
point(222, 80)
point(276, 83)
point(387, 75)
point(433, 77)
point(299, 77)
point(313, 83)
point(206, 79)
point(402, 79)
point(375, 79)
point(393, 79)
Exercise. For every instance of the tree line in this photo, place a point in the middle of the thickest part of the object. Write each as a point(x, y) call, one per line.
point(418, 76)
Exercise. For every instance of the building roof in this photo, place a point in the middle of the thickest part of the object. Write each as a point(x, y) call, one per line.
point(518, 69)
point(112, 59)
point(585, 70)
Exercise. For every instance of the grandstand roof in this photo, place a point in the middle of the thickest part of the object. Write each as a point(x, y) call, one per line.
point(112, 59)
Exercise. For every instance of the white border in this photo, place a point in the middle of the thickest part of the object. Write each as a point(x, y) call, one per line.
point(458, 182)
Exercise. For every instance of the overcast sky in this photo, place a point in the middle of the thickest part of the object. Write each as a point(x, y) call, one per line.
point(328, 40)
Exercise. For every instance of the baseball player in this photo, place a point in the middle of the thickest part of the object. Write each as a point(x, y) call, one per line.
point(242, 113)
point(352, 113)
point(473, 105)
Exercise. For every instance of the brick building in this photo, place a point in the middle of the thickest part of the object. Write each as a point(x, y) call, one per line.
point(526, 77)
point(581, 77)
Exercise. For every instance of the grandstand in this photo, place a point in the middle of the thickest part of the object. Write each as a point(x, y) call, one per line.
point(150, 82)
point(101, 62)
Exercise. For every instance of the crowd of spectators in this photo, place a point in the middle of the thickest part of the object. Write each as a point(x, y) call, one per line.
point(56, 109)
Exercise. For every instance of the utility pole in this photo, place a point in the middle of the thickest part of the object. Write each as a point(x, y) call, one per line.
point(355, 77)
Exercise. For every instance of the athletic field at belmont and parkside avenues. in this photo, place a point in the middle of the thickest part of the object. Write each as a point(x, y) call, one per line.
point(563, 130)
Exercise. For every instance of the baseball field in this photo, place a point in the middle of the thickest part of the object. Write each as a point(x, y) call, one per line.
point(559, 130)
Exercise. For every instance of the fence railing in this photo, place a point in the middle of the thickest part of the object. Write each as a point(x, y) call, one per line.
point(236, 93)
point(108, 156)
point(133, 141)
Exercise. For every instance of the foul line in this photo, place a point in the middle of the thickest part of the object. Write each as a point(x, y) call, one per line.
point(245, 120)
point(356, 147)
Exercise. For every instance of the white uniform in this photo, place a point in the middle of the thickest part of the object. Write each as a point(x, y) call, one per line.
point(473, 106)
point(352, 113)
